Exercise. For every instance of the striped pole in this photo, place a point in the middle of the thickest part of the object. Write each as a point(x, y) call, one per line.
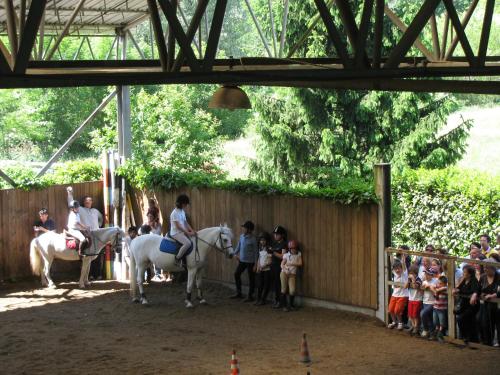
point(105, 183)
point(235, 370)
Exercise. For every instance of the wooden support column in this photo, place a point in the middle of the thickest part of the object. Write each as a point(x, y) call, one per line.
point(485, 32)
point(465, 21)
point(450, 275)
point(29, 35)
point(11, 28)
point(455, 21)
point(158, 33)
point(171, 38)
point(378, 33)
point(8, 179)
point(382, 173)
point(5, 59)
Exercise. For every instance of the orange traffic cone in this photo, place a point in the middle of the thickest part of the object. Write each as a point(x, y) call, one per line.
point(234, 364)
point(304, 351)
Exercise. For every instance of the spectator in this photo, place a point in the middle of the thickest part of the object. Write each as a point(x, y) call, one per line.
point(426, 315)
point(264, 269)
point(289, 264)
point(474, 253)
point(399, 298)
point(415, 295)
point(45, 224)
point(489, 315)
point(486, 249)
point(153, 209)
point(424, 265)
point(440, 308)
point(466, 305)
point(436, 263)
point(278, 248)
point(144, 229)
point(497, 247)
point(407, 258)
point(247, 254)
point(154, 224)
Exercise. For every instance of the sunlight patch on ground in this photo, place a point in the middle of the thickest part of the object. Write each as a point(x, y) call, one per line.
point(65, 292)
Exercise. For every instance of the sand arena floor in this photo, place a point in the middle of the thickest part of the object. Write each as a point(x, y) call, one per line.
point(98, 331)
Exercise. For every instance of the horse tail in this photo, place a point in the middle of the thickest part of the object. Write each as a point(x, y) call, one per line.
point(133, 272)
point(35, 257)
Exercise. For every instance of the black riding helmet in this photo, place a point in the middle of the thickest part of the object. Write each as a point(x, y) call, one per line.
point(181, 200)
point(280, 230)
point(74, 204)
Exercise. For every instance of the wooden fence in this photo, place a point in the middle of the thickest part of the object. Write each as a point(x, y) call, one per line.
point(339, 242)
point(19, 210)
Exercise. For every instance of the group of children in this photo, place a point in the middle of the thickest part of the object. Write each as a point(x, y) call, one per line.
point(420, 294)
point(275, 262)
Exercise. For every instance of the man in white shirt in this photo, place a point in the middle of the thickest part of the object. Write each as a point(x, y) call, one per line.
point(75, 225)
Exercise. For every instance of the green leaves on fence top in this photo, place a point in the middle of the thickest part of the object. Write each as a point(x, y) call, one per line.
point(345, 190)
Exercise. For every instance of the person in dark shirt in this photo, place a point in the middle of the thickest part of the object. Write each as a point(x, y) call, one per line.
point(467, 304)
point(44, 224)
point(489, 316)
point(279, 248)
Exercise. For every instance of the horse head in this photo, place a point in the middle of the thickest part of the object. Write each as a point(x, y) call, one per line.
point(225, 240)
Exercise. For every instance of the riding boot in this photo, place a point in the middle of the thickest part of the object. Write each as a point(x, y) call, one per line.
point(292, 305)
point(80, 248)
point(284, 303)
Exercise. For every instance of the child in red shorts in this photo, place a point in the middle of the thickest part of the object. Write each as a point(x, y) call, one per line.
point(399, 297)
point(415, 296)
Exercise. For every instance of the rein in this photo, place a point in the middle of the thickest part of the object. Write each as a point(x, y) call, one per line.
point(222, 248)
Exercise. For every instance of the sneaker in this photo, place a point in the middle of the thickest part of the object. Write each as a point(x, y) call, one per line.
point(440, 337)
point(249, 299)
point(276, 305)
point(257, 303)
point(286, 309)
point(400, 327)
point(391, 325)
point(236, 296)
point(424, 334)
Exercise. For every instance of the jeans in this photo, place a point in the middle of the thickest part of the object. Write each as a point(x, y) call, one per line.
point(276, 280)
point(466, 321)
point(426, 317)
point(440, 318)
point(264, 284)
point(251, 277)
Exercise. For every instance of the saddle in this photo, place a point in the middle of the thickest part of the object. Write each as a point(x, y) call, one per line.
point(170, 245)
point(73, 243)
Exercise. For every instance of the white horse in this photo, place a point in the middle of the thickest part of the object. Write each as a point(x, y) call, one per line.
point(50, 245)
point(146, 249)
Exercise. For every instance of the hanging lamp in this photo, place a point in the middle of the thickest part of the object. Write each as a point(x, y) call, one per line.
point(230, 97)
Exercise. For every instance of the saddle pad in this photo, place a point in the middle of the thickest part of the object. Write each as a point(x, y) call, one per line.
point(71, 244)
point(171, 247)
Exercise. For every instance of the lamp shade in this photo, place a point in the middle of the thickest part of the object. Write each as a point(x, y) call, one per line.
point(230, 97)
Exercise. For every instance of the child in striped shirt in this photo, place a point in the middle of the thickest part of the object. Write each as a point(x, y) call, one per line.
point(440, 313)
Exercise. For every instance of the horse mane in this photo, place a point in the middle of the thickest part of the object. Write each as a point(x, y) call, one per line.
point(227, 231)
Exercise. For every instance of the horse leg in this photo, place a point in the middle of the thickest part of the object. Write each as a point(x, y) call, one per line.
point(85, 264)
point(47, 263)
point(199, 280)
point(86, 281)
point(189, 286)
point(140, 279)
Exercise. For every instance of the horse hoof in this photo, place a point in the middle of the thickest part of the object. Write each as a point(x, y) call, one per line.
point(135, 300)
point(203, 301)
point(144, 301)
point(189, 305)
point(87, 285)
point(82, 286)
point(51, 286)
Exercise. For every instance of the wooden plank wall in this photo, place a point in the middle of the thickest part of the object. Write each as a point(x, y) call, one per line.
point(19, 210)
point(338, 242)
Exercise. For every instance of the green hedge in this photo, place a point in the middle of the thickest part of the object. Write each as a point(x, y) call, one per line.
point(65, 173)
point(346, 190)
point(449, 208)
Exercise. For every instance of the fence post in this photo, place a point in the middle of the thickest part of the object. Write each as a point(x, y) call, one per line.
point(382, 174)
point(450, 274)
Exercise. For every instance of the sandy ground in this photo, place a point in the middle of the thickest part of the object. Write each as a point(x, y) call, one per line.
point(98, 331)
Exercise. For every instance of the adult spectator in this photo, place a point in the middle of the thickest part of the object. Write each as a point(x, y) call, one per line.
point(155, 224)
point(489, 315)
point(153, 209)
point(474, 253)
point(279, 248)
point(467, 305)
point(45, 224)
point(93, 219)
point(486, 249)
point(497, 247)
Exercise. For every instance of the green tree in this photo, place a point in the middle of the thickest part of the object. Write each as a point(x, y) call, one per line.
point(310, 134)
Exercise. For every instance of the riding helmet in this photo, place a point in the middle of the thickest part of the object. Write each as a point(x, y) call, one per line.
point(280, 230)
point(74, 204)
point(249, 225)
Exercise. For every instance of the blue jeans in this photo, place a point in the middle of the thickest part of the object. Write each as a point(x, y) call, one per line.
point(426, 317)
point(440, 319)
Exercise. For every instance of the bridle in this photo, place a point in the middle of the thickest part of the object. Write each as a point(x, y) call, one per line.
point(222, 249)
point(114, 243)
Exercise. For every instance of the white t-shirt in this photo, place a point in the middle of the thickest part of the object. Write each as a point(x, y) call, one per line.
point(73, 220)
point(429, 298)
point(177, 215)
point(399, 291)
point(291, 258)
point(265, 260)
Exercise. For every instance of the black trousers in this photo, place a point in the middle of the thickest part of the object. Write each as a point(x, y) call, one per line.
point(489, 321)
point(264, 284)
point(466, 321)
point(251, 277)
point(97, 266)
point(276, 281)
